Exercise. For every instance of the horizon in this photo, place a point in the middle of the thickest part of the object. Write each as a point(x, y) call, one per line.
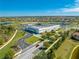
point(42, 16)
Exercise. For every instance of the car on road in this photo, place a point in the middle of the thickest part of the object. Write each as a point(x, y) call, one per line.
point(37, 45)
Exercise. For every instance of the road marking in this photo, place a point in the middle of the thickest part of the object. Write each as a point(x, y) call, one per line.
point(29, 53)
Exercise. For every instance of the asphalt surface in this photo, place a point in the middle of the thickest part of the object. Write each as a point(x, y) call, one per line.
point(27, 35)
point(28, 54)
point(21, 42)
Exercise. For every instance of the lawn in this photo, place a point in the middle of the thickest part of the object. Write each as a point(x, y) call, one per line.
point(65, 49)
point(31, 40)
point(7, 48)
point(75, 54)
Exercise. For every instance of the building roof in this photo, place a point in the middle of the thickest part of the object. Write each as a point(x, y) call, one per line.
point(41, 27)
point(76, 35)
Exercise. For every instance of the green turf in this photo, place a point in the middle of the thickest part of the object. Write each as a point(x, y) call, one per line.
point(65, 49)
point(75, 54)
point(31, 40)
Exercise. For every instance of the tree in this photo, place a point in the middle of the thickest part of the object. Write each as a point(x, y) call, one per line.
point(41, 39)
point(46, 44)
point(48, 34)
point(52, 31)
point(41, 55)
point(51, 54)
point(44, 36)
point(9, 54)
point(1, 41)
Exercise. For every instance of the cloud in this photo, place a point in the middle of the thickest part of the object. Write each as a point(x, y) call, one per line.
point(73, 8)
point(70, 10)
point(67, 10)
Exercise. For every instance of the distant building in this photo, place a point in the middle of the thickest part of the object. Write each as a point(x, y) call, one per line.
point(41, 29)
point(75, 36)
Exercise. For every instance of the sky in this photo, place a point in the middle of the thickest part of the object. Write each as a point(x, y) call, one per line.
point(39, 7)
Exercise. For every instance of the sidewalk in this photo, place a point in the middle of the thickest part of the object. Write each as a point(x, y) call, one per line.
point(9, 40)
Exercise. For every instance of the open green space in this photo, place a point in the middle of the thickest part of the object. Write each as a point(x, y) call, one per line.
point(65, 49)
point(8, 47)
point(75, 54)
point(6, 32)
point(32, 39)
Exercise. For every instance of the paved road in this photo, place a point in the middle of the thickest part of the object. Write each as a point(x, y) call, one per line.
point(29, 53)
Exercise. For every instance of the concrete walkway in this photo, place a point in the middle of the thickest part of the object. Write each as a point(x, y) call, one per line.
point(9, 40)
point(73, 51)
point(52, 45)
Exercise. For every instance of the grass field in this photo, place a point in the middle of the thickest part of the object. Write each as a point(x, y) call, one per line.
point(7, 48)
point(75, 54)
point(65, 49)
point(31, 40)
